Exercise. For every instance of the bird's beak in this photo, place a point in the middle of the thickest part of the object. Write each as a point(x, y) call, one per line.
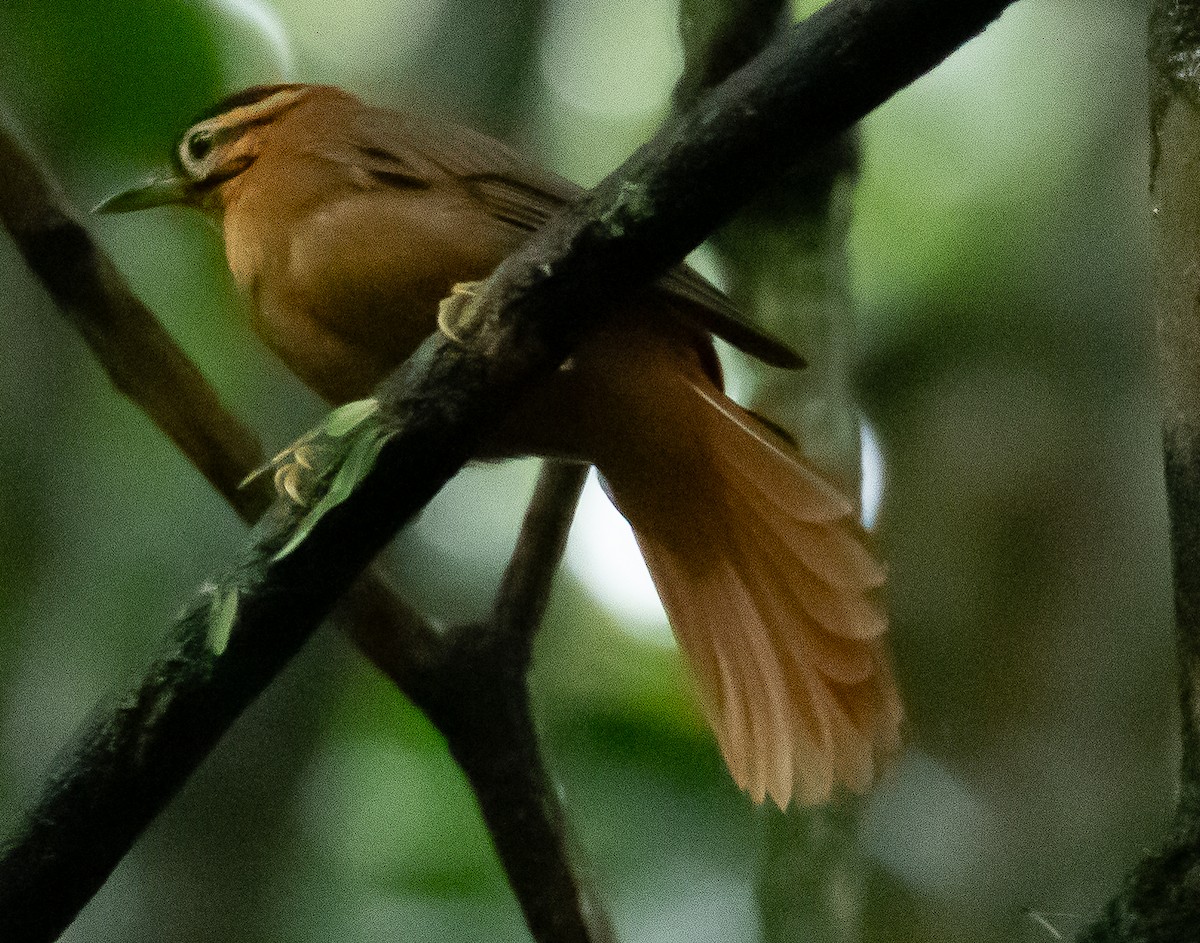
point(158, 191)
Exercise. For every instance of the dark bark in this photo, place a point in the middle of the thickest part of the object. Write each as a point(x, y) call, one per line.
point(1160, 900)
point(476, 694)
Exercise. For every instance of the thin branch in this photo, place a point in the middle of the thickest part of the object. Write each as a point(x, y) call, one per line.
point(140, 358)
point(721, 36)
point(525, 589)
point(473, 688)
point(487, 723)
point(481, 703)
point(240, 631)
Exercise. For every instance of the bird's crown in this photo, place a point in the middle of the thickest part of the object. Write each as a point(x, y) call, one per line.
point(206, 149)
point(216, 148)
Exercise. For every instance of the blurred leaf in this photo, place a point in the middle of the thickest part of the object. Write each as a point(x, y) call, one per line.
point(358, 461)
point(222, 613)
point(398, 813)
point(347, 418)
point(118, 75)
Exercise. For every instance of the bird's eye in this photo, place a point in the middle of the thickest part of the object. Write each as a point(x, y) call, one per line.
point(199, 145)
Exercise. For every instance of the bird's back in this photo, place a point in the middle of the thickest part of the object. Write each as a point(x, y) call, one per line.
point(343, 262)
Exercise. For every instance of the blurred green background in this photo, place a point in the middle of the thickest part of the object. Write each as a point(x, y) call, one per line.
point(992, 319)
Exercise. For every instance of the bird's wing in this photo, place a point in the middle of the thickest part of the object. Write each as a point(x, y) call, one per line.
point(405, 150)
point(712, 310)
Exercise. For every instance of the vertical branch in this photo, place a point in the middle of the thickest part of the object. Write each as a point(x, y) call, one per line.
point(525, 588)
point(785, 258)
point(478, 698)
point(1175, 125)
point(1160, 902)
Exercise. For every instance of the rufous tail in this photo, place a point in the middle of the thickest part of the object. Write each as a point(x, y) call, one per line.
point(764, 572)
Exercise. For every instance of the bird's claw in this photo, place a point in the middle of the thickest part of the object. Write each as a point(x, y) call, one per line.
point(294, 471)
point(458, 313)
point(299, 467)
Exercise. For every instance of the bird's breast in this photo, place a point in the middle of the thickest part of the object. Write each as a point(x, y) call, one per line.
point(344, 289)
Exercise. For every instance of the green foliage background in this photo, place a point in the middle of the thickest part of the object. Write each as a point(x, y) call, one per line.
point(1005, 357)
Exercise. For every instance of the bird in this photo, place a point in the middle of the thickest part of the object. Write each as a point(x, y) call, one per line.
point(344, 226)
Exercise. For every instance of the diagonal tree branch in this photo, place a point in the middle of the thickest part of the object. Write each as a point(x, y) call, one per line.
point(140, 358)
point(146, 365)
point(134, 754)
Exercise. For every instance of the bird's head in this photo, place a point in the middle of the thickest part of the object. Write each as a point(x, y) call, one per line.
point(216, 149)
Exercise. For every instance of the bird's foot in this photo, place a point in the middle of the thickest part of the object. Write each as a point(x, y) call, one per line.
point(298, 469)
point(293, 470)
point(458, 315)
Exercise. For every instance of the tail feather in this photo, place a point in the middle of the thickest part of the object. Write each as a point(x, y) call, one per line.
point(843, 664)
point(834, 668)
point(814, 678)
point(833, 552)
point(828, 635)
point(719, 673)
point(823, 502)
point(845, 610)
point(777, 721)
point(769, 586)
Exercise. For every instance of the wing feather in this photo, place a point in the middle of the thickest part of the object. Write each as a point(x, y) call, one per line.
point(406, 150)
